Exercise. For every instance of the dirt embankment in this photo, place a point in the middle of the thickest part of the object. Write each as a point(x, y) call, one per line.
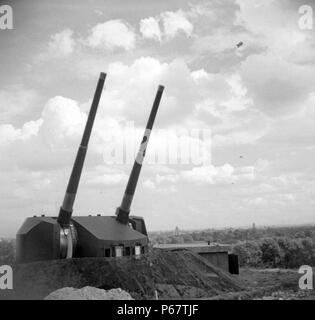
point(268, 284)
point(88, 293)
point(274, 284)
point(170, 275)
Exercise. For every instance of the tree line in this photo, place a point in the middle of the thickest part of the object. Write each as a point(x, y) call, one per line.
point(281, 252)
point(281, 247)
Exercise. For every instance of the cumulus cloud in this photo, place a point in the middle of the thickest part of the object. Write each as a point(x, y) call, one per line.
point(62, 42)
point(62, 118)
point(172, 23)
point(138, 82)
point(176, 22)
point(149, 27)
point(8, 133)
point(226, 174)
point(111, 35)
point(47, 142)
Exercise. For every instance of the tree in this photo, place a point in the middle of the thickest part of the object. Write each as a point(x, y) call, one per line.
point(242, 253)
point(7, 252)
point(249, 253)
point(296, 252)
point(308, 251)
point(270, 252)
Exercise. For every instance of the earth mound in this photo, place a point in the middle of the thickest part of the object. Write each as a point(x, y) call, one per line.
point(88, 293)
point(179, 274)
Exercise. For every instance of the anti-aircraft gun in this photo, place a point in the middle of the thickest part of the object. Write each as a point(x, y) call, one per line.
point(123, 211)
point(48, 238)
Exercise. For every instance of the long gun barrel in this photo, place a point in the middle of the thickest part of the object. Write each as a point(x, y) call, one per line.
point(123, 211)
point(67, 205)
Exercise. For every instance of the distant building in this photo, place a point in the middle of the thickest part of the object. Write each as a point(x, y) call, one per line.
point(176, 233)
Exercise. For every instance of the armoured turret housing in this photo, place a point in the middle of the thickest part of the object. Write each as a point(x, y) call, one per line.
point(97, 236)
point(67, 236)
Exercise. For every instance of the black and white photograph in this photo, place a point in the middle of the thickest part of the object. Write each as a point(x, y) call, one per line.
point(157, 152)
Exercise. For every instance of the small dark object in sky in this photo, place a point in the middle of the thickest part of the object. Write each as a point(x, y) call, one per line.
point(239, 44)
point(241, 157)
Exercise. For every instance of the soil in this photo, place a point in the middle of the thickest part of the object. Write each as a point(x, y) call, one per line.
point(163, 274)
point(88, 293)
point(179, 274)
point(269, 284)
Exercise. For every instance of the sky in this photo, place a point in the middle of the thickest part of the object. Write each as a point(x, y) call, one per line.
point(235, 126)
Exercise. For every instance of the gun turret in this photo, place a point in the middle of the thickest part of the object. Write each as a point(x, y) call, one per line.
point(67, 205)
point(123, 211)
